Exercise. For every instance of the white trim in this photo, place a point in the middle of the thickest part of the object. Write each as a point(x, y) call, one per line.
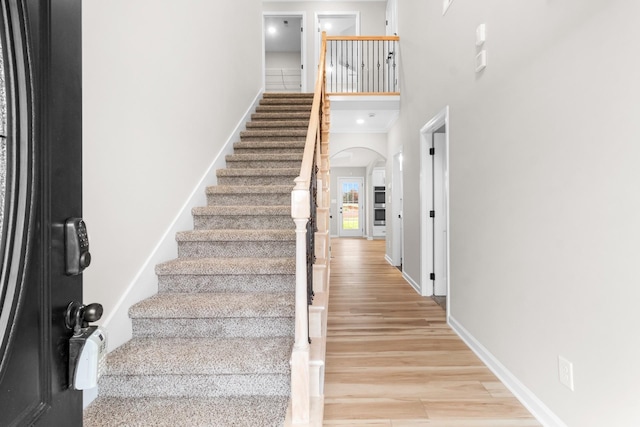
point(528, 399)
point(303, 47)
point(145, 283)
point(410, 280)
point(362, 200)
point(389, 260)
point(426, 262)
point(396, 221)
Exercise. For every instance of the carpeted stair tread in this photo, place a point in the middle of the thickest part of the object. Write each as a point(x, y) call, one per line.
point(136, 386)
point(238, 411)
point(213, 347)
point(287, 101)
point(242, 217)
point(235, 235)
point(275, 124)
point(214, 305)
point(281, 115)
point(265, 157)
point(233, 283)
point(288, 95)
point(280, 210)
point(283, 108)
point(201, 356)
point(249, 189)
point(267, 143)
point(226, 266)
point(258, 172)
point(273, 133)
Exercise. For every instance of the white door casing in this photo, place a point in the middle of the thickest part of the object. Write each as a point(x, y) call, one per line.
point(435, 262)
point(396, 220)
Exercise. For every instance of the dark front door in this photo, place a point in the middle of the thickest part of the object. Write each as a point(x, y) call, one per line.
point(41, 180)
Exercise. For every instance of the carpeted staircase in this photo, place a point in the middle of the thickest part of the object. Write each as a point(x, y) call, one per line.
point(212, 348)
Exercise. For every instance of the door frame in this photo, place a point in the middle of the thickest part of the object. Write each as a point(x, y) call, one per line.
point(303, 50)
point(397, 219)
point(426, 196)
point(318, 32)
point(44, 106)
point(361, 197)
point(391, 15)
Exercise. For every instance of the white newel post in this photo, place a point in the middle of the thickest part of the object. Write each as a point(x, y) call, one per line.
point(300, 388)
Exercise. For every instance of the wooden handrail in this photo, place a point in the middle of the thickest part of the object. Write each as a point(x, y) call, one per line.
point(301, 212)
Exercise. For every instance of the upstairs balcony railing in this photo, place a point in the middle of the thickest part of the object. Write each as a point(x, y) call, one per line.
point(362, 65)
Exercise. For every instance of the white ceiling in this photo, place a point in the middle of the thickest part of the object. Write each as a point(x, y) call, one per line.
point(286, 37)
point(378, 113)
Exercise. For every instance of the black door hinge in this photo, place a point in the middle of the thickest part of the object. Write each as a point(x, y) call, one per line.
point(302, 66)
point(432, 214)
point(432, 276)
point(432, 151)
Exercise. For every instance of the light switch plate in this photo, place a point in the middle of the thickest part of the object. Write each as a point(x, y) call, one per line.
point(481, 34)
point(481, 61)
point(445, 5)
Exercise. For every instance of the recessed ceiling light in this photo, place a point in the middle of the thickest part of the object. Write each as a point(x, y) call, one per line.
point(271, 30)
point(360, 121)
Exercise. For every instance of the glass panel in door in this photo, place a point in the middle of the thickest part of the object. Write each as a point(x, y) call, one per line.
point(350, 209)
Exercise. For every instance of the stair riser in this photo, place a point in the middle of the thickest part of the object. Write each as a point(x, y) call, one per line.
point(269, 150)
point(195, 385)
point(278, 124)
point(286, 101)
point(219, 327)
point(273, 249)
point(234, 222)
point(274, 135)
point(284, 109)
point(283, 115)
point(257, 180)
point(263, 164)
point(305, 95)
point(188, 283)
point(268, 199)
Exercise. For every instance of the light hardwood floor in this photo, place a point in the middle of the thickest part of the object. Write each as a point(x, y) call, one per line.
point(393, 361)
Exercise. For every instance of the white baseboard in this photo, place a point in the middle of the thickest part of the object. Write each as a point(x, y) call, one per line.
point(415, 285)
point(389, 260)
point(529, 400)
point(145, 283)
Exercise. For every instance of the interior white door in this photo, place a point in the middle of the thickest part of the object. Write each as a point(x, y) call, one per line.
point(350, 213)
point(440, 252)
point(396, 211)
point(392, 18)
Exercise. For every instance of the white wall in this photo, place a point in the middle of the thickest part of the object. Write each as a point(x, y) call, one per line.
point(160, 100)
point(544, 189)
point(287, 60)
point(372, 23)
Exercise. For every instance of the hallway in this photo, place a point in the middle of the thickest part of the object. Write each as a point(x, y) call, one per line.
point(392, 361)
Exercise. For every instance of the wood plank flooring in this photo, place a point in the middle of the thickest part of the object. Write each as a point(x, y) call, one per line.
point(392, 360)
